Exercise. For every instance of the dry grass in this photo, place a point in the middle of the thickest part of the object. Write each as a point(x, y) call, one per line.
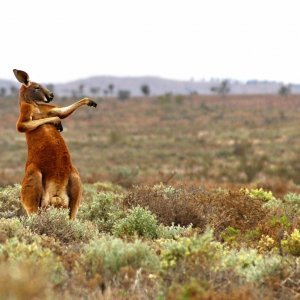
point(203, 140)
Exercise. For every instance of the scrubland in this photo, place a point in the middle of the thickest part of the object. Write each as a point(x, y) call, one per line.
point(184, 198)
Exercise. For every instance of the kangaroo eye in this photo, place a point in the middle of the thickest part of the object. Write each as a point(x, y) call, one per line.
point(37, 88)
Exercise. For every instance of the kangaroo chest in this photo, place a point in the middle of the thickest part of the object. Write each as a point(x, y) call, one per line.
point(37, 114)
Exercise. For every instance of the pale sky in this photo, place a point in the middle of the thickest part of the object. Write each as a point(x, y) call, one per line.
point(58, 40)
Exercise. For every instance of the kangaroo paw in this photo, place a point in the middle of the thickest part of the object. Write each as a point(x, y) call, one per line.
point(92, 103)
point(59, 127)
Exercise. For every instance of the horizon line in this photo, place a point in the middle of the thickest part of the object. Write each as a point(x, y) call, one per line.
point(192, 79)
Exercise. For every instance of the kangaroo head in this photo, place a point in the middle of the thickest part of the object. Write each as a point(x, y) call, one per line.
point(33, 91)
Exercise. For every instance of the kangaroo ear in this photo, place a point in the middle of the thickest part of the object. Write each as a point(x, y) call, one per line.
point(22, 77)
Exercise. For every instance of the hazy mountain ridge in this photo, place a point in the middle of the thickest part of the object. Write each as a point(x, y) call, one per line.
point(99, 86)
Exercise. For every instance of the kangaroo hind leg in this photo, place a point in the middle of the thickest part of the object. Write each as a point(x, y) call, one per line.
point(32, 189)
point(74, 193)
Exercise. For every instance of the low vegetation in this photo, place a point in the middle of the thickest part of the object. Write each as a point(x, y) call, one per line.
point(185, 197)
point(153, 242)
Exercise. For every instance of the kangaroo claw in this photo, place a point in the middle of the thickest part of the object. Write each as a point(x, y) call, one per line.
point(92, 103)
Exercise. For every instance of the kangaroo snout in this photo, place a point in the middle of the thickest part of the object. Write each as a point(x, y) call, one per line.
point(50, 97)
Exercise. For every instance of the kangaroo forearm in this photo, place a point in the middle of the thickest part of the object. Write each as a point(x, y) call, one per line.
point(63, 112)
point(31, 125)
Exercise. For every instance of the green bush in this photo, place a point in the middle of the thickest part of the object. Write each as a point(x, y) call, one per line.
point(204, 245)
point(139, 221)
point(292, 204)
point(292, 198)
point(16, 252)
point(249, 264)
point(281, 221)
point(10, 228)
point(102, 209)
point(107, 255)
point(174, 231)
point(55, 223)
point(291, 243)
point(273, 204)
point(10, 203)
point(230, 234)
point(164, 190)
point(253, 234)
point(260, 194)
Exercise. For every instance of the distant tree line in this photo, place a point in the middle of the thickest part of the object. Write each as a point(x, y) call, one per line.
point(8, 91)
point(223, 89)
point(121, 94)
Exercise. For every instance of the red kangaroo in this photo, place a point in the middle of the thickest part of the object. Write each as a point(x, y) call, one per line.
point(50, 177)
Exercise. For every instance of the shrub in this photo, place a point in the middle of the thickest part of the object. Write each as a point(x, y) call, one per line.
point(283, 216)
point(55, 223)
point(253, 234)
point(102, 209)
point(216, 209)
point(293, 199)
point(16, 252)
point(169, 207)
point(260, 194)
point(10, 228)
point(165, 190)
point(291, 243)
point(282, 221)
point(175, 250)
point(139, 221)
point(10, 203)
point(266, 243)
point(230, 234)
point(107, 255)
point(174, 231)
point(275, 224)
point(273, 204)
point(292, 204)
point(250, 264)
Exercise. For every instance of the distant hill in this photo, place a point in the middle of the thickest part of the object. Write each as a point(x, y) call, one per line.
point(99, 86)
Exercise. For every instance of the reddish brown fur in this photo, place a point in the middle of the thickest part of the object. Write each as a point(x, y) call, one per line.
point(50, 177)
